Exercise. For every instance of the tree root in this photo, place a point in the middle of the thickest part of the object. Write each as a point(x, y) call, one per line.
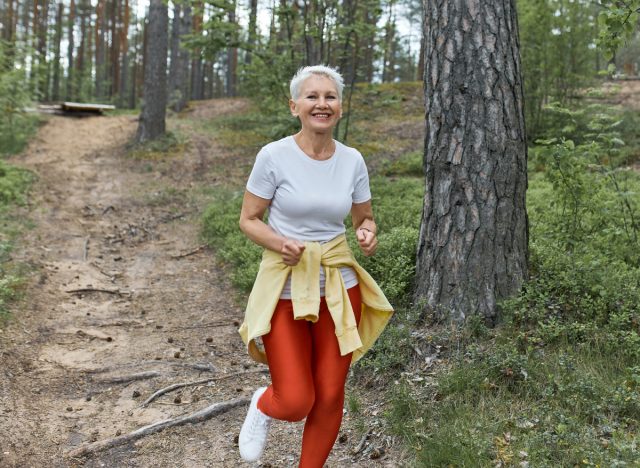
point(202, 367)
point(173, 387)
point(198, 416)
point(130, 377)
point(186, 254)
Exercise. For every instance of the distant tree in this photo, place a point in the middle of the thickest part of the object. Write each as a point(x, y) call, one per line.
point(70, 94)
point(196, 60)
point(252, 31)
point(232, 56)
point(152, 117)
point(55, 94)
point(472, 248)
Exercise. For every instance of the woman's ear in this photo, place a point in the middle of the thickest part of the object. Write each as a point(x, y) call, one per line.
point(292, 108)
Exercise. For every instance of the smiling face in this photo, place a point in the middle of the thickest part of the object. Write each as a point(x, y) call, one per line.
point(317, 106)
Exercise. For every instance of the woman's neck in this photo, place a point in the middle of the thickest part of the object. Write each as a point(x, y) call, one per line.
point(318, 146)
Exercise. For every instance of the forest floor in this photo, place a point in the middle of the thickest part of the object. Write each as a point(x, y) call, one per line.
point(122, 299)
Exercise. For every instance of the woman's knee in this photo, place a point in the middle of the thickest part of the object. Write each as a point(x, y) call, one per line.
point(328, 398)
point(296, 407)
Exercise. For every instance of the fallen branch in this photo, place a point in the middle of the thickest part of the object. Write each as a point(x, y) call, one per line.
point(199, 416)
point(191, 252)
point(110, 207)
point(85, 249)
point(170, 388)
point(121, 323)
point(362, 442)
point(222, 323)
point(108, 291)
point(130, 377)
point(205, 367)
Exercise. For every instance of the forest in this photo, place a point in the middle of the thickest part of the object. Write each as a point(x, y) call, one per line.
point(123, 271)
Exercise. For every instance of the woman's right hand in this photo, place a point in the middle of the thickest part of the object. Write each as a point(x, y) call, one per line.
point(291, 251)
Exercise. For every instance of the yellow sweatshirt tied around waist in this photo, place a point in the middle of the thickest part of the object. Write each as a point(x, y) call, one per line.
point(305, 295)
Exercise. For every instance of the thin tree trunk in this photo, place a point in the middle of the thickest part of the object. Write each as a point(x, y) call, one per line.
point(232, 60)
point(84, 12)
point(196, 61)
point(25, 31)
point(134, 73)
point(174, 47)
point(70, 71)
point(55, 93)
point(253, 31)
point(472, 249)
point(114, 62)
point(124, 48)
point(152, 117)
point(100, 46)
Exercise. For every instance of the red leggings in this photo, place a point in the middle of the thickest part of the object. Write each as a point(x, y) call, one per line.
point(307, 376)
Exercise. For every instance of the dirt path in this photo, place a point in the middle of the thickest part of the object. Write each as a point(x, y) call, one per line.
point(112, 229)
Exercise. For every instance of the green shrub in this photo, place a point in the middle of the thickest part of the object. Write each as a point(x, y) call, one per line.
point(221, 231)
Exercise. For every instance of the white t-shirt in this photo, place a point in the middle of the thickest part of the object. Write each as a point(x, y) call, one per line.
point(309, 198)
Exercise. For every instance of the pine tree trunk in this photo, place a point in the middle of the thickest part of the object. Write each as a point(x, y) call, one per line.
point(472, 249)
point(56, 53)
point(25, 34)
point(253, 31)
point(70, 72)
point(124, 50)
point(181, 85)
point(174, 47)
point(84, 13)
point(232, 60)
point(152, 117)
point(196, 62)
point(134, 72)
point(99, 47)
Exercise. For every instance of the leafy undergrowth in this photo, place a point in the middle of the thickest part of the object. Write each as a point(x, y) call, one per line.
point(14, 183)
point(557, 382)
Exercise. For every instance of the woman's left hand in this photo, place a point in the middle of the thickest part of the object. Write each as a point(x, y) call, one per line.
point(367, 241)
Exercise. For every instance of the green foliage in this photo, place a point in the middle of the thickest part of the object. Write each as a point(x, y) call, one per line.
point(14, 183)
point(558, 54)
point(410, 165)
point(556, 384)
point(169, 144)
point(618, 22)
point(221, 231)
point(590, 205)
point(16, 126)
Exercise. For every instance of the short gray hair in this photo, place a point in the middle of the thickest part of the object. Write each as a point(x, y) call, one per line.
point(306, 72)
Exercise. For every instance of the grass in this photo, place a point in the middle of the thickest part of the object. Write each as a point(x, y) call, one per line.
point(557, 382)
point(14, 184)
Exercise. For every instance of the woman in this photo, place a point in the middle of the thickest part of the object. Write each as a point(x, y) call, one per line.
point(315, 308)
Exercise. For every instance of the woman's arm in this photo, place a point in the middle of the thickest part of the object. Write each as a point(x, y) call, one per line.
point(365, 226)
point(253, 226)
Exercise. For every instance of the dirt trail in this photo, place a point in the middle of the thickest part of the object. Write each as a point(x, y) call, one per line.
point(113, 228)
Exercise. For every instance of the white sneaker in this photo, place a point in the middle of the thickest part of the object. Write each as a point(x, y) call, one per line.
point(253, 435)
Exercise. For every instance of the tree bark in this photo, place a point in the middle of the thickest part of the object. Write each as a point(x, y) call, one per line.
point(472, 250)
point(152, 117)
point(124, 50)
point(196, 61)
point(252, 31)
point(100, 47)
point(232, 59)
point(55, 94)
point(70, 73)
point(179, 70)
